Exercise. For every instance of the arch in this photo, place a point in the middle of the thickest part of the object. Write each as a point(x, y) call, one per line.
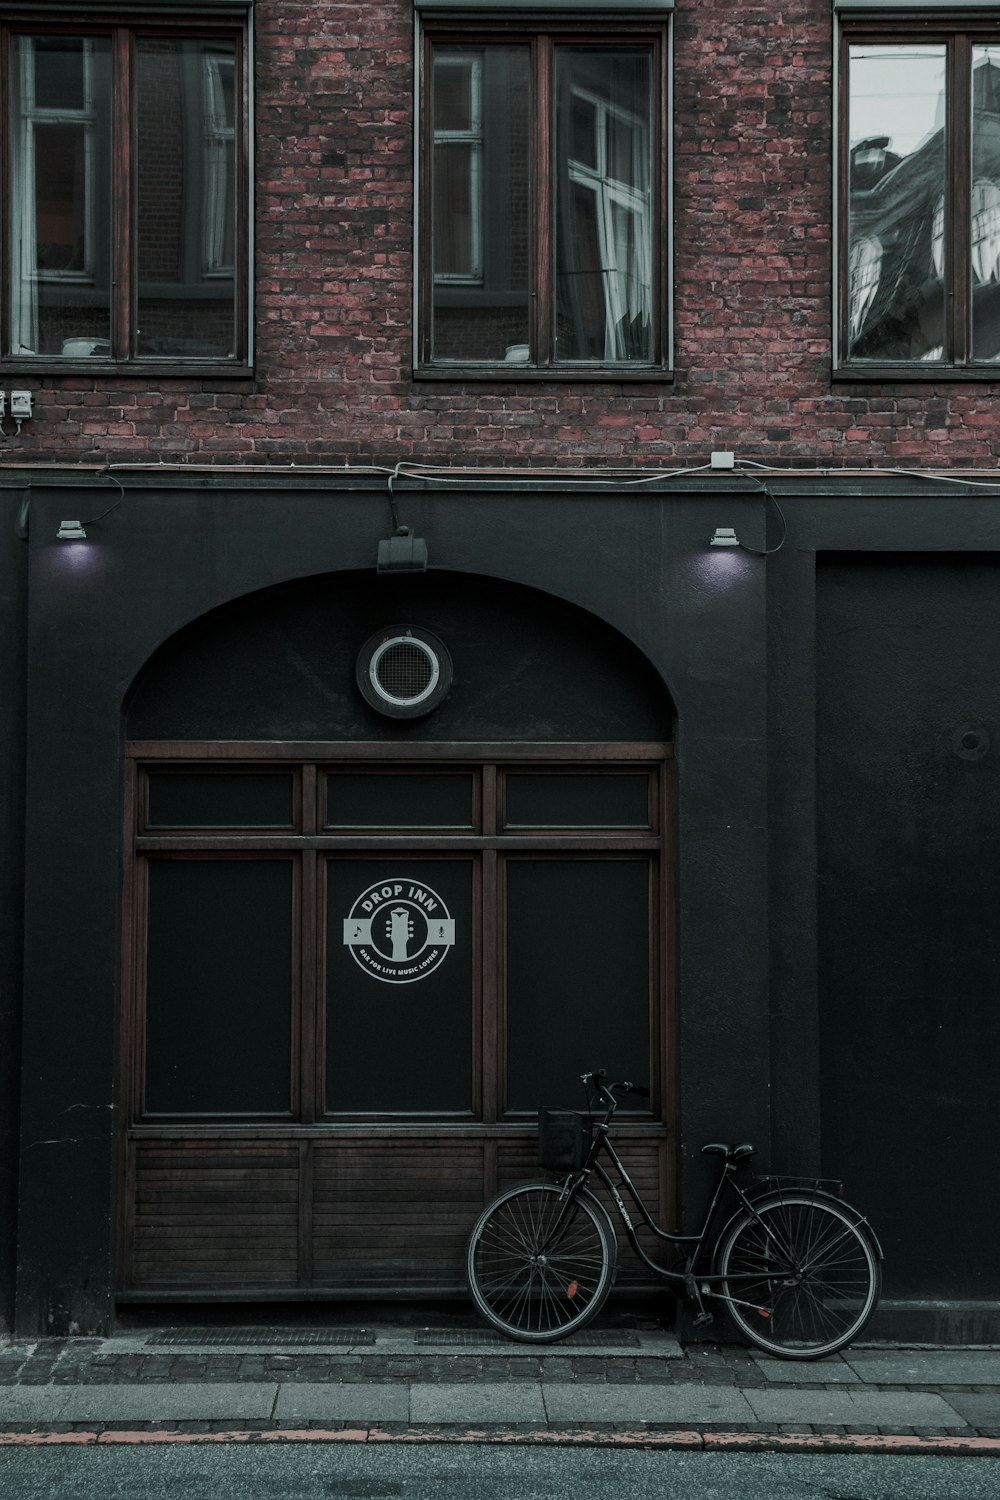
point(279, 664)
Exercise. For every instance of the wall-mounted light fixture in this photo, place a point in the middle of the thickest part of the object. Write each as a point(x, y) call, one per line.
point(402, 552)
point(76, 531)
point(724, 536)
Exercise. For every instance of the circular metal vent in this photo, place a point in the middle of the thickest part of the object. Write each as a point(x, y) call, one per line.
point(404, 671)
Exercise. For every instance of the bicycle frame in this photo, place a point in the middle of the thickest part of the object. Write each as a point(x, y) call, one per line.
point(690, 1246)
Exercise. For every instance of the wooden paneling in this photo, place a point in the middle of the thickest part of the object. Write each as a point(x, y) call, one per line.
point(352, 1214)
point(394, 1212)
point(215, 1213)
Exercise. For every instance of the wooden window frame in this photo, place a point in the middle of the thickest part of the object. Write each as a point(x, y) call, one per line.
point(124, 29)
point(541, 38)
point(310, 843)
point(959, 36)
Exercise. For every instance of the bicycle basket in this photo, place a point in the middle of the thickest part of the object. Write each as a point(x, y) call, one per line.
point(563, 1139)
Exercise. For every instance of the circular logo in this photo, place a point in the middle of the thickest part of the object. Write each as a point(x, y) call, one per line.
point(399, 931)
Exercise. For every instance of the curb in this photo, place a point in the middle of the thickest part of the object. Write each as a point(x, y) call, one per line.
point(702, 1441)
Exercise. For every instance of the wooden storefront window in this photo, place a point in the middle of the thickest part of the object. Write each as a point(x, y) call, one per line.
point(352, 952)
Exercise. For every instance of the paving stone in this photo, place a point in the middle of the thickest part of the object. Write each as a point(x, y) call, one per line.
point(807, 1372)
point(855, 1408)
point(472, 1404)
point(926, 1366)
point(358, 1402)
point(979, 1408)
point(32, 1403)
point(207, 1401)
point(666, 1404)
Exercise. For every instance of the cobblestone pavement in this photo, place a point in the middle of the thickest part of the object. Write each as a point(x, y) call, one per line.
point(393, 1383)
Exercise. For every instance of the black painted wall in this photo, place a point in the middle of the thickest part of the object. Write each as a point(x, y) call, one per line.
point(13, 626)
point(99, 612)
point(908, 738)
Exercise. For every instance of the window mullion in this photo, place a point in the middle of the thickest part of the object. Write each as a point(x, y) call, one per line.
point(122, 195)
point(543, 188)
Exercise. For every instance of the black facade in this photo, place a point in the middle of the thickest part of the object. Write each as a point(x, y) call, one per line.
point(830, 965)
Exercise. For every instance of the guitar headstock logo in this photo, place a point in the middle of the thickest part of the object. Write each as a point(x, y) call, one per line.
point(399, 931)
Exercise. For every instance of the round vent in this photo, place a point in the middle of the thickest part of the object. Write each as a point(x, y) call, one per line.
point(404, 671)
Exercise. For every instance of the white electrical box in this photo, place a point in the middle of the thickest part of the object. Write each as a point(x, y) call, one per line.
point(20, 404)
point(723, 460)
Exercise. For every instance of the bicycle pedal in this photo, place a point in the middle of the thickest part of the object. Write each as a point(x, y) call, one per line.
point(702, 1320)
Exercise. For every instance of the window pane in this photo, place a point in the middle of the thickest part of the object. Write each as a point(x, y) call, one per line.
point(186, 195)
point(193, 800)
point(60, 196)
point(480, 203)
point(218, 987)
point(897, 254)
point(399, 801)
point(577, 976)
point(985, 203)
point(399, 986)
point(603, 205)
point(608, 801)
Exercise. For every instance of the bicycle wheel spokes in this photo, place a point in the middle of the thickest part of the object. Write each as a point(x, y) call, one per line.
point(539, 1264)
point(801, 1276)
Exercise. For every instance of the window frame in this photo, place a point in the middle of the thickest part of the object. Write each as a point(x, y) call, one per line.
point(959, 31)
point(215, 21)
point(489, 847)
point(541, 34)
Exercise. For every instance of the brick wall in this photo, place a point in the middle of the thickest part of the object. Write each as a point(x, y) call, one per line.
point(334, 204)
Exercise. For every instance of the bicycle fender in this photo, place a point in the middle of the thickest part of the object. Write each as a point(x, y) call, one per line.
point(768, 1197)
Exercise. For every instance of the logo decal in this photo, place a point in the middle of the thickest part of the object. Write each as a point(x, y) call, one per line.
point(399, 931)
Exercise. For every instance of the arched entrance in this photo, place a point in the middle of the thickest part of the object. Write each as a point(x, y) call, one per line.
point(362, 949)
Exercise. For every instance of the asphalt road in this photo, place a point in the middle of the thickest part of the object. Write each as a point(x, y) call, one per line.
point(311, 1471)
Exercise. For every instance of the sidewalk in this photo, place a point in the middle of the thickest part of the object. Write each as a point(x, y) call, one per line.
point(383, 1383)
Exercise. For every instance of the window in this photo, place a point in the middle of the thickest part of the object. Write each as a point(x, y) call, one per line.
point(142, 264)
point(920, 198)
point(442, 939)
point(542, 198)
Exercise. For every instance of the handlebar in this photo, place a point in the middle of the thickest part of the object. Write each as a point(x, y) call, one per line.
point(595, 1080)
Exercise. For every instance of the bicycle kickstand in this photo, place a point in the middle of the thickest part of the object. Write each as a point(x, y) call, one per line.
point(693, 1293)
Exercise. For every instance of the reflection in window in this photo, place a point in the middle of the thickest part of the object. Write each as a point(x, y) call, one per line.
point(174, 219)
point(60, 261)
point(864, 272)
point(186, 198)
point(936, 297)
point(984, 205)
point(480, 193)
point(604, 299)
point(897, 166)
point(542, 203)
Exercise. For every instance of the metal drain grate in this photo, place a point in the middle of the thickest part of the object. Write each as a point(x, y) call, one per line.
point(291, 1338)
point(463, 1338)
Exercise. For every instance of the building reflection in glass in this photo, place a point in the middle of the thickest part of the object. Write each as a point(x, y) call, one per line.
point(899, 276)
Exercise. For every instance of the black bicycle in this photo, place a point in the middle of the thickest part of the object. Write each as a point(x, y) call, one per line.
point(796, 1267)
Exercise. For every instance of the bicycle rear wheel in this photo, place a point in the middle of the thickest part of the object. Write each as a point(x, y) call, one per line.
point(801, 1275)
point(540, 1265)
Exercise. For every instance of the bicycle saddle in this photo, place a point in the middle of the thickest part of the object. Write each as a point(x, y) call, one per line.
point(731, 1153)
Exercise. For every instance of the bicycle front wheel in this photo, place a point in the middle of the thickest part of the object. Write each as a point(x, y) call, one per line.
point(540, 1264)
point(801, 1276)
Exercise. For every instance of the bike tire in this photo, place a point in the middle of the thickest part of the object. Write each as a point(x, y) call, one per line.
point(801, 1275)
point(529, 1287)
